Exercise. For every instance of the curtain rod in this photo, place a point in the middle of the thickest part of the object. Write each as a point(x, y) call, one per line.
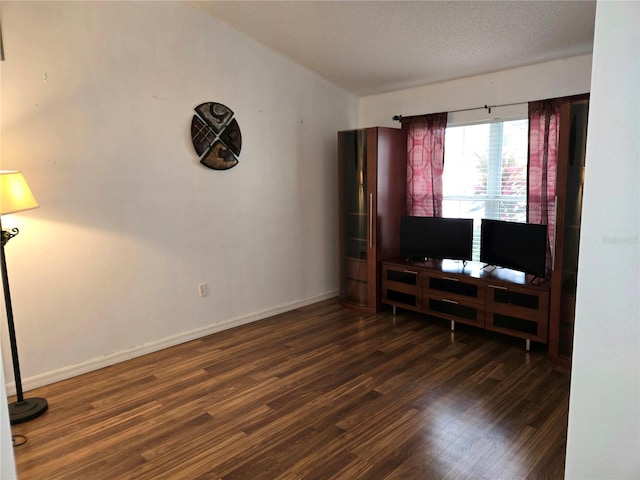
point(399, 118)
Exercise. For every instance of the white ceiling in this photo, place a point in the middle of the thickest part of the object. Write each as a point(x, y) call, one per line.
point(370, 47)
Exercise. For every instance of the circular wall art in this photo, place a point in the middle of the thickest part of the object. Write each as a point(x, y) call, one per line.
point(216, 136)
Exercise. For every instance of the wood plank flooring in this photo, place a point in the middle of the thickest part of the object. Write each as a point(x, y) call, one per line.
point(316, 393)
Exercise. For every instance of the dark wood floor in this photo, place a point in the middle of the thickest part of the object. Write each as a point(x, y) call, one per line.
point(316, 393)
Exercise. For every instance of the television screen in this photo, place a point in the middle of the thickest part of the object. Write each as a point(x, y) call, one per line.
point(436, 238)
point(520, 246)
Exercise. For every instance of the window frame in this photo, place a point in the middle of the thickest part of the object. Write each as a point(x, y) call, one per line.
point(492, 198)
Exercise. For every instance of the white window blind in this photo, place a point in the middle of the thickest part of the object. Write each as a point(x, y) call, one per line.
point(485, 173)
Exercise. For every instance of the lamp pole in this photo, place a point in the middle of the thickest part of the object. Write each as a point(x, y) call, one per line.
point(6, 236)
point(22, 410)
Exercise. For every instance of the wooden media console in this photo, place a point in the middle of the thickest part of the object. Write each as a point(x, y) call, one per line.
point(496, 299)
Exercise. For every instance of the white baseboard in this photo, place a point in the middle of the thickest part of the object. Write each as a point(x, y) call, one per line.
point(107, 360)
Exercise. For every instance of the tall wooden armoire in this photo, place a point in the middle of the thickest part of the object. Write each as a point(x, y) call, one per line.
point(574, 112)
point(372, 198)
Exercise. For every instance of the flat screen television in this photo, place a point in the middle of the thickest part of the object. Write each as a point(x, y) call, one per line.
point(436, 238)
point(519, 246)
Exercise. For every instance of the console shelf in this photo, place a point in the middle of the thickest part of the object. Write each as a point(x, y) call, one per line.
point(501, 300)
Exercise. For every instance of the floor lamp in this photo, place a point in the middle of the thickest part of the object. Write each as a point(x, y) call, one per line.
point(15, 196)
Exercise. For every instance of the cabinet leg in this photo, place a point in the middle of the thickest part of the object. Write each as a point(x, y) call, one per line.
point(527, 345)
point(393, 309)
point(453, 325)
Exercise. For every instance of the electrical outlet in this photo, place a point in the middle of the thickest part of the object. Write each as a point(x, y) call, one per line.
point(203, 290)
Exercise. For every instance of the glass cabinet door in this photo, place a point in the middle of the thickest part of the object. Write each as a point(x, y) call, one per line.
point(572, 220)
point(353, 213)
point(572, 139)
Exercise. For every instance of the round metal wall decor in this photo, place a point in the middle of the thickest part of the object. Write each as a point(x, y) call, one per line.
point(216, 136)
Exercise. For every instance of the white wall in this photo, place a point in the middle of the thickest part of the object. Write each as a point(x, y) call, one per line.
point(604, 409)
point(560, 78)
point(97, 100)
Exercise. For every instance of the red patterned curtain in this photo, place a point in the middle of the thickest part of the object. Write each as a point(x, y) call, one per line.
point(425, 161)
point(544, 119)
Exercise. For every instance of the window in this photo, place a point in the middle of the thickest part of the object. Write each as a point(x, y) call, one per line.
point(485, 173)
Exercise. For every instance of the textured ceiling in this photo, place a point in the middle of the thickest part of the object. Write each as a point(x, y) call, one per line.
point(370, 47)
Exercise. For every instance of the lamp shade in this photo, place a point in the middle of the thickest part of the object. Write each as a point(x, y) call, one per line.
point(15, 194)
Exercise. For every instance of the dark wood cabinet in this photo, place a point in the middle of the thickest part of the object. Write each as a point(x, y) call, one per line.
point(572, 140)
point(518, 310)
point(402, 286)
point(451, 294)
point(501, 300)
point(372, 191)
